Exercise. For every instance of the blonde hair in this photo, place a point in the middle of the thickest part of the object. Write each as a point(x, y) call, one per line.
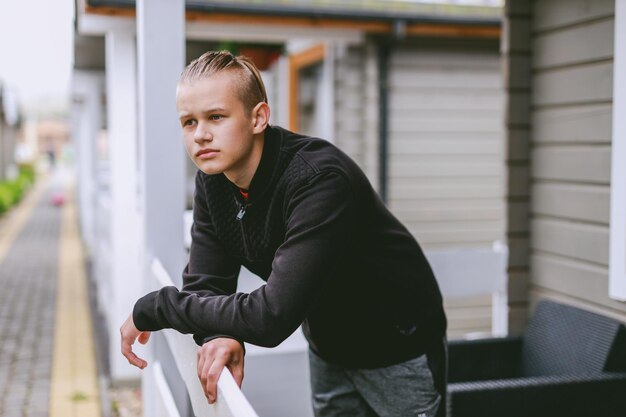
point(249, 84)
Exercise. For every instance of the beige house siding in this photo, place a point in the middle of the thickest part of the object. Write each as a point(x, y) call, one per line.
point(349, 102)
point(446, 144)
point(356, 106)
point(446, 155)
point(572, 64)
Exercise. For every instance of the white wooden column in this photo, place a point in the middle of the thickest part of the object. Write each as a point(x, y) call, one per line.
point(87, 89)
point(127, 282)
point(161, 58)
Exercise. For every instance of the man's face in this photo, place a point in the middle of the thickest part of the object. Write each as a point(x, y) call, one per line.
point(218, 131)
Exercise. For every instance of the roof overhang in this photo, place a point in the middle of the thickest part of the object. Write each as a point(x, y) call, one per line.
point(269, 19)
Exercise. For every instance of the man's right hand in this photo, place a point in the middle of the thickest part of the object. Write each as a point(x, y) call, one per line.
point(129, 333)
point(213, 356)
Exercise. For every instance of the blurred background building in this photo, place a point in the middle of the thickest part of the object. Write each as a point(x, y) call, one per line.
point(9, 128)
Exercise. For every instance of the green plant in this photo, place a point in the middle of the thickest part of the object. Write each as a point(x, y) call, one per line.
point(79, 396)
point(17, 189)
point(27, 171)
point(115, 408)
point(13, 190)
point(6, 197)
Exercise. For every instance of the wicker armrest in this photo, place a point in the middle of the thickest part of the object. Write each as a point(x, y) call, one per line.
point(550, 396)
point(484, 359)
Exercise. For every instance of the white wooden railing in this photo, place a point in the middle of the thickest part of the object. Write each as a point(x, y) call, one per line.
point(102, 250)
point(464, 272)
point(277, 379)
point(230, 400)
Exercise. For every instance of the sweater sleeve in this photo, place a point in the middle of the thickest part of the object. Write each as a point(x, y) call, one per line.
point(318, 222)
point(209, 272)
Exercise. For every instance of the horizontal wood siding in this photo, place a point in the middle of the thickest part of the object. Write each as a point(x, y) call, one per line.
point(585, 242)
point(446, 144)
point(551, 15)
point(585, 281)
point(584, 84)
point(577, 164)
point(583, 123)
point(349, 103)
point(575, 202)
point(446, 156)
point(571, 152)
point(556, 49)
point(468, 316)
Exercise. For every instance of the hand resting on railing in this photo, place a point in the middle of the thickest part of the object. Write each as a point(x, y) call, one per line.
point(129, 333)
point(213, 356)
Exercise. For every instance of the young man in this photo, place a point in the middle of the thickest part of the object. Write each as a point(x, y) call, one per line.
point(299, 213)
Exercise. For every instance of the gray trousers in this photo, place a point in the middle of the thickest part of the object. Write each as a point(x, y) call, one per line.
point(415, 388)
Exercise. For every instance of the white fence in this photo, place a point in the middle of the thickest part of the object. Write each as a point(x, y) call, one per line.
point(470, 272)
point(230, 400)
point(102, 252)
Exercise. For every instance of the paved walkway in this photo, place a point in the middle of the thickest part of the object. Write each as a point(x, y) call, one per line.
point(47, 359)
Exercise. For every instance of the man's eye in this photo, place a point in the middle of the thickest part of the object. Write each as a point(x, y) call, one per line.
point(189, 122)
point(216, 117)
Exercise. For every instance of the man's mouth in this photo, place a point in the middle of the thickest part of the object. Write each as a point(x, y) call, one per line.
point(206, 153)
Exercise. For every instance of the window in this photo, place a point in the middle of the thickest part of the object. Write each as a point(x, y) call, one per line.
point(305, 79)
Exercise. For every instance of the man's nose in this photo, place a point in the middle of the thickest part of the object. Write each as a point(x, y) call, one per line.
point(202, 134)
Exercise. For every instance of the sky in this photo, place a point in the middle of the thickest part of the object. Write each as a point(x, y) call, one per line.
point(36, 51)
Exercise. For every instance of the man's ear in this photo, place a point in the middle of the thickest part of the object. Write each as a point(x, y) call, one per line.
point(260, 117)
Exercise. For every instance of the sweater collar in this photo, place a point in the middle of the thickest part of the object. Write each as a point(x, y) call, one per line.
point(264, 173)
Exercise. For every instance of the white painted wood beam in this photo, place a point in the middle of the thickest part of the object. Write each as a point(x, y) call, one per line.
point(86, 122)
point(161, 58)
point(121, 87)
point(98, 25)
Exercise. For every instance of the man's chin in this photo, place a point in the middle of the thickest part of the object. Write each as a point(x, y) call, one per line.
point(209, 169)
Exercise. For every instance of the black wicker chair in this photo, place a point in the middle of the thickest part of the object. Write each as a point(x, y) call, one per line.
point(570, 362)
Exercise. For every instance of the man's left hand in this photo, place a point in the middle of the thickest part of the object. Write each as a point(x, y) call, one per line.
point(213, 356)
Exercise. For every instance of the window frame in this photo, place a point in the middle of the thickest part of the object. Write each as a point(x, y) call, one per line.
point(298, 61)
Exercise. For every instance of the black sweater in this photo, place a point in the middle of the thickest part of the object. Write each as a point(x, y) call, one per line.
point(333, 257)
